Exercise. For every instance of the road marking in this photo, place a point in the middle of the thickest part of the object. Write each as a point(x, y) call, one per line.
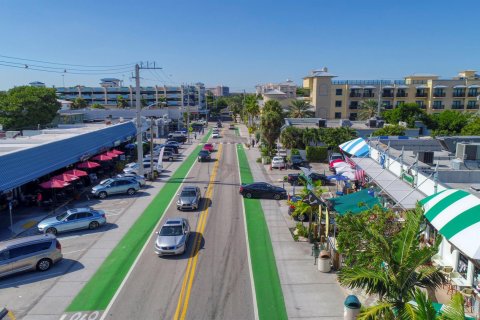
point(252, 284)
point(74, 251)
point(183, 299)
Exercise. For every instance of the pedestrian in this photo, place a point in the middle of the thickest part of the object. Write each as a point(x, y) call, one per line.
point(39, 199)
point(195, 135)
point(253, 143)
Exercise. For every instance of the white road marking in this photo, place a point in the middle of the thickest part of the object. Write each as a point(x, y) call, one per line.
point(64, 253)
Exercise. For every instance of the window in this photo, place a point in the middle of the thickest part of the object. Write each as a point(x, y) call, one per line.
point(462, 265)
point(437, 105)
point(338, 92)
point(29, 249)
point(353, 116)
point(338, 103)
point(399, 103)
point(338, 115)
point(476, 275)
point(72, 217)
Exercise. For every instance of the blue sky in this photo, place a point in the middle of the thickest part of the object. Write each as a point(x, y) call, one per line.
point(241, 43)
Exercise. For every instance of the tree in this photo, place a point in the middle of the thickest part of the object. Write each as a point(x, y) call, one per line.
point(121, 102)
point(333, 137)
point(404, 266)
point(390, 130)
point(291, 138)
point(472, 128)
point(252, 108)
point(79, 103)
point(407, 112)
point(97, 106)
point(143, 102)
point(274, 106)
point(270, 124)
point(27, 107)
point(449, 122)
point(300, 109)
point(368, 109)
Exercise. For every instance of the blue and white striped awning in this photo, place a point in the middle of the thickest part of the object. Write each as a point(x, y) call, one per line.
point(357, 147)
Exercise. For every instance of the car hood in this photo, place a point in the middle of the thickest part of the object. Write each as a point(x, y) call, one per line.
point(186, 200)
point(48, 222)
point(97, 187)
point(169, 241)
point(279, 189)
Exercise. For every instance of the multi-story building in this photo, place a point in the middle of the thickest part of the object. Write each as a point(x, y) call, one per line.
point(341, 99)
point(288, 88)
point(37, 84)
point(110, 89)
point(219, 91)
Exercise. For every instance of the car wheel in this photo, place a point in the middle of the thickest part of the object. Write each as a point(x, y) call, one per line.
point(44, 264)
point(276, 196)
point(51, 230)
point(248, 195)
point(93, 225)
point(102, 195)
point(131, 192)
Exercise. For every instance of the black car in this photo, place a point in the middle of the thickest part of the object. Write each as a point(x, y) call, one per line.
point(296, 161)
point(178, 138)
point(204, 156)
point(298, 179)
point(262, 190)
point(170, 148)
point(219, 124)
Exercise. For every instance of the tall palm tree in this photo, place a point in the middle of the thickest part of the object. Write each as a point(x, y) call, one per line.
point(404, 267)
point(368, 109)
point(300, 109)
point(251, 107)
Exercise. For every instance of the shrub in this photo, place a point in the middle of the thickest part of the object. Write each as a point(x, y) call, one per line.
point(259, 159)
point(302, 231)
point(295, 152)
point(316, 154)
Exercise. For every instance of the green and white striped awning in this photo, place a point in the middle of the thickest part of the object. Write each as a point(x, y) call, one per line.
point(456, 216)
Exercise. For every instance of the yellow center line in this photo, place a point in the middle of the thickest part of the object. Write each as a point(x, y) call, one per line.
point(187, 283)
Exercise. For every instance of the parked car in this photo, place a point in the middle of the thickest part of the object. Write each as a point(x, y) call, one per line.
point(296, 161)
point(204, 156)
point(115, 186)
point(215, 135)
point(38, 252)
point(209, 147)
point(262, 190)
point(278, 162)
point(139, 179)
point(189, 198)
point(73, 219)
point(133, 168)
point(167, 156)
point(298, 179)
point(336, 156)
point(173, 237)
point(178, 138)
point(170, 147)
point(173, 143)
point(219, 124)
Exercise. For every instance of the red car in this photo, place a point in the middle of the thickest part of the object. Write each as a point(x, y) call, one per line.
point(209, 147)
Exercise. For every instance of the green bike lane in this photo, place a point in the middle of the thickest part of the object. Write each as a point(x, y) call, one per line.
point(101, 288)
point(268, 291)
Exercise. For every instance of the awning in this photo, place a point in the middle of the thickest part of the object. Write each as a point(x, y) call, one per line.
point(357, 147)
point(456, 216)
point(354, 203)
point(397, 189)
point(439, 87)
point(459, 86)
point(402, 86)
point(369, 87)
point(474, 86)
point(355, 87)
point(387, 87)
point(422, 86)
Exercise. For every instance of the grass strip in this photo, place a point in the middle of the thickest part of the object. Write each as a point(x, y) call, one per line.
point(270, 300)
point(100, 289)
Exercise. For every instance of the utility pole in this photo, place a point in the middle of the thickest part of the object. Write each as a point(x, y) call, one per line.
point(151, 149)
point(188, 113)
point(379, 106)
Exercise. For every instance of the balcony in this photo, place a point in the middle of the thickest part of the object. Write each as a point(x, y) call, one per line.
point(388, 106)
point(355, 95)
point(472, 106)
point(353, 106)
point(438, 106)
point(387, 94)
point(369, 95)
point(458, 106)
point(458, 95)
point(402, 94)
point(473, 94)
point(439, 95)
point(423, 106)
point(421, 94)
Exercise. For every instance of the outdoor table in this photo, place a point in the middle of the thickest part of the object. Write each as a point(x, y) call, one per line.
point(460, 282)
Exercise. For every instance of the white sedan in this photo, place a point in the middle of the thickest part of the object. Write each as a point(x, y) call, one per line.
point(278, 162)
point(215, 135)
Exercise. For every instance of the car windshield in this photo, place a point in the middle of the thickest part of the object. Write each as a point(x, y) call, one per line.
point(278, 159)
point(337, 156)
point(188, 193)
point(62, 216)
point(204, 153)
point(171, 231)
point(296, 158)
point(208, 145)
point(106, 181)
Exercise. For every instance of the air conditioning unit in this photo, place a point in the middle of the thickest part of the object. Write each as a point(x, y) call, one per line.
point(322, 123)
point(345, 123)
point(426, 157)
point(456, 164)
point(372, 123)
point(380, 123)
point(468, 151)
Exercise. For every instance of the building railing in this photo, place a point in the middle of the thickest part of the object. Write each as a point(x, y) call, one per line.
point(421, 94)
point(439, 95)
point(402, 94)
point(369, 95)
point(438, 107)
point(471, 107)
point(458, 106)
point(368, 82)
point(473, 94)
point(387, 94)
point(388, 106)
point(458, 94)
point(355, 95)
point(353, 106)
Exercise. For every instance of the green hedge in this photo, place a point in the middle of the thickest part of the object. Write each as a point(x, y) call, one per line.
point(316, 154)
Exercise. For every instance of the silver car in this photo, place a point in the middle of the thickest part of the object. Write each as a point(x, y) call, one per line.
point(29, 253)
point(172, 237)
point(140, 179)
point(189, 198)
point(73, 219)
point(115, 186)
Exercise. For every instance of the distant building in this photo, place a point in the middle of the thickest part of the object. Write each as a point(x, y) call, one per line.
point(288, 88)
point(219, 91)
point(37, 84)
point(341, 99)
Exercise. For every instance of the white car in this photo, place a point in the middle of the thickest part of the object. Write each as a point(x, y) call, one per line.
point(278, 162)
point(133, 168)
point(215, 135)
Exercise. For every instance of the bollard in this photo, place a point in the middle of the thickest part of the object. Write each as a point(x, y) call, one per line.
point(351, 308)
point(324, 262)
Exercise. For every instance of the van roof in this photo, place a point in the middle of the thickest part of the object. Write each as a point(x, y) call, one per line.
point(17, 241)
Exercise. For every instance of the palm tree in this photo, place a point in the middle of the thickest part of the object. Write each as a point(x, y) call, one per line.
point(252, 108)
point(404, 267)
point(368, 109)
point(300, 109)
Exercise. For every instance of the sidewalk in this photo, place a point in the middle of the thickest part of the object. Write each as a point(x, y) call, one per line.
point(308, 293)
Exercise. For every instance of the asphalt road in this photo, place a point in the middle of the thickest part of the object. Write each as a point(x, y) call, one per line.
point(213, 283)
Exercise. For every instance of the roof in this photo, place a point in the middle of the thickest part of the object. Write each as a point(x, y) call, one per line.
point(109, 79)
point(320, 73)
point(27, 159)
point(174, 221)
point(354, 203)
point(275, 92)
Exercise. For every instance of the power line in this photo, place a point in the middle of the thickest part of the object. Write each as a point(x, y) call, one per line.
point(67, 64)
point(65, 71)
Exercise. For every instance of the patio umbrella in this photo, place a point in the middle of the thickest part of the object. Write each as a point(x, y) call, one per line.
point(333, 162)
point(341, 164)
point(117, 151)
point(111, 154)
point(349, 174)
point(356, 147)
point(102, 157)
point(337, 177)
point(54, 184)
point(66, 177)
point(88, 165)
point(344, 169)
point(76, 172)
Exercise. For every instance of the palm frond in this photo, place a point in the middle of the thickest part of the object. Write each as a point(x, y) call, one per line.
point(454, 310)
point(381, 310)
point(372, 281)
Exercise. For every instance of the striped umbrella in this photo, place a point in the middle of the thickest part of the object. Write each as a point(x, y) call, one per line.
point(456, 215)
point(357, 147)
point(117, 151)
point(360, 175)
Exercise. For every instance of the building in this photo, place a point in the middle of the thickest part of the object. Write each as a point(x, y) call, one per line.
point(341, 99)
point(110, 89)
point(287, 88)
point(219, 91)
point(37, 84)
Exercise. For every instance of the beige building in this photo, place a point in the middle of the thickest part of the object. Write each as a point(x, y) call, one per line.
point(288, 88)
point(340, 99)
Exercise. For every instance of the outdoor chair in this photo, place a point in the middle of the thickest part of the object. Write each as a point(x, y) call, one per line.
point(446, 270)
point(467, 294)
point(452, 288)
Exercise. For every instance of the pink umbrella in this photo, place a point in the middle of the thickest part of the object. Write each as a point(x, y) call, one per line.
point(88, 165)
point(54, 184)
point(66, 177)
point(117, 151)
point(76, 172)
point(102, 157)
point(111, 154)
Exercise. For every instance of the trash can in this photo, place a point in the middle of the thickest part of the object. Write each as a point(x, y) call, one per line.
point(351, 308)
point(324, 261)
